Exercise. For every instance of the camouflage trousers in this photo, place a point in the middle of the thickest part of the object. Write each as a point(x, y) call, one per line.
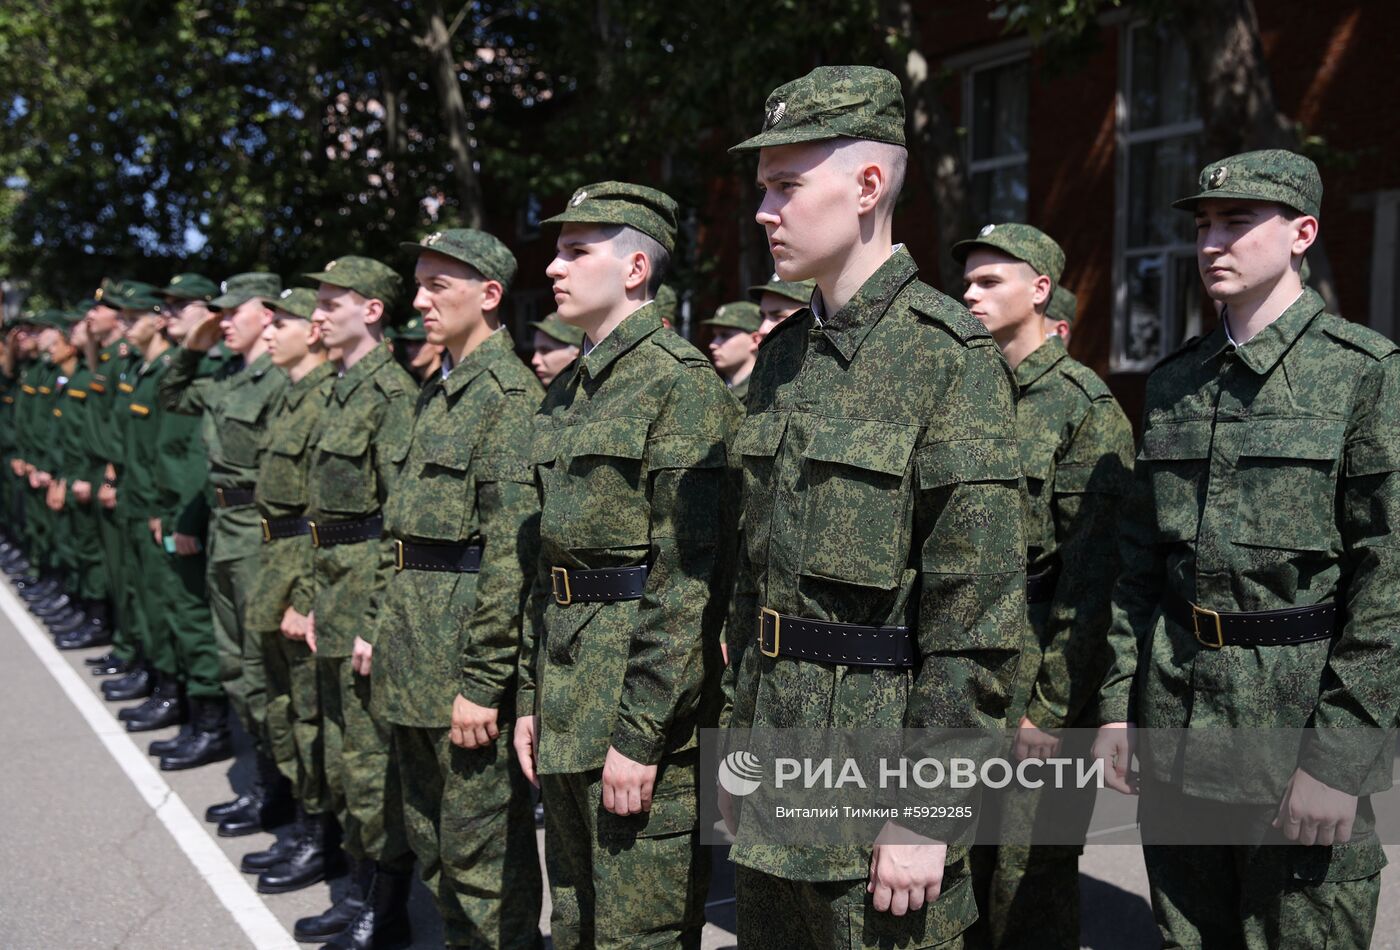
point(240, 655)
point(362, 779)
point(775, 912)
point(294, 718)
point(638, 881)
point(1272, 896)
point(471, 825)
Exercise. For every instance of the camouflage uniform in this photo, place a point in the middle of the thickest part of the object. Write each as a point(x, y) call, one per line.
point(1266, 480)
point(741, 315)
point(882, 488)
point(630, 456)
point(466, 481)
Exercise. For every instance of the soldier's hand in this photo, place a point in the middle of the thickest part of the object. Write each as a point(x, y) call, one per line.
point(311, 631)
point(1033, 742)
point(361, 656)
point(205, 334)
point(186, 545)
point(1115, 744)
point(53, 498)
point(294, 624)
point(906, 870)
point(82, 492)
point(107, 496)
point(473, 726)
point(1313, 812)
point(727, 812)
point(525, 747)
point(627, 785)
point(45, 479)
point(154, 525)
point(17, 466)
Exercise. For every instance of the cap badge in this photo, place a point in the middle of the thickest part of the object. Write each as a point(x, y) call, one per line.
point(774, 115)
point(986, 229)
point(579, 198)
point(433, 238)
point(175, 280)
point(223, 286)
point(331, 265)
point(1217, 177)
point(285, 294)
point(98, 294)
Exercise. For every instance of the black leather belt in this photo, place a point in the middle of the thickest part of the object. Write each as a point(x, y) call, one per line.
point(600, 585)
point(327, 534)
point(848, 644)
point(275, 529)
point(1259, 628)
point(448, 558)
point(1041, 587)
point(233, 497)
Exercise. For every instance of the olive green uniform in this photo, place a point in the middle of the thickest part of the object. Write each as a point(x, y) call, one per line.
point(105, 435)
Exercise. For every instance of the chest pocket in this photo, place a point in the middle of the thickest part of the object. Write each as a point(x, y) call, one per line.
point(859, 501)
point(345, 483)
point(595, 496)
point(241, 433)
point(1179, 458)
point(282, 477)
point(755, 448)
point(437, 493)
point(1288, 484)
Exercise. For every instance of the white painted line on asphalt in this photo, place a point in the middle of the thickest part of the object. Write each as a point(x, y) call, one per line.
point(1111, 831)
point(229, 886)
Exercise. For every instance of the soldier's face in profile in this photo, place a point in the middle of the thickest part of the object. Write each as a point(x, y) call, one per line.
point(1244, 247)
point(1000, 291)
point(730, 349)
point(102, 320)
point(243, 325)
point(811, 209)
point(452, 297)
point(551, 357)
point(774, 308)
point(590, 279)
point(144, 328)
point(288, 339)
point(342, 314)
point(185, 315)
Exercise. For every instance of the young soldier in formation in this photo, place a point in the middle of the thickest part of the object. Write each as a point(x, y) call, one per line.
point(1060, 314)
point(363, 438)
point(464, 518)
point(620, 664)
point(735, 343)
point(1259, 585)
point(1076, 451)
point(777, 300)
point(881, 494)
point(556, 345)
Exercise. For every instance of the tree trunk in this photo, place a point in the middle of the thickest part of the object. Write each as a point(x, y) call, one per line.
point(454, 113)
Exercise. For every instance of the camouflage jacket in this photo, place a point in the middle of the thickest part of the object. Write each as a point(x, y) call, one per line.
point(235, 406)
point(1076, 452)
point(1264, 481)
point(882, 486)
point(364, 432)
point(466, 478)
point(631, 462)
point(284, 565)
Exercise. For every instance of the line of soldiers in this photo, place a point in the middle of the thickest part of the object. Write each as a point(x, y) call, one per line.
point(420, 601)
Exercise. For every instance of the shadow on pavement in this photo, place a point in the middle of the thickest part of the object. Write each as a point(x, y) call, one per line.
point(1114, 918)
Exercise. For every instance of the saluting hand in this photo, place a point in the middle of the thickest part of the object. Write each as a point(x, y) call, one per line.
point(627, 784)
point(473, 726)
point(205, 334)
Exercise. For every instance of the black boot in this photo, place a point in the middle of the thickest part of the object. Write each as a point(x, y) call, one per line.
point(112, 666)
point(208, 740)
point(106, 659)
point(326, 925)
point(53, 606)
point(93, 633)
point(268, 804)
point(163, 747)
point(18, 567)
point(135, 685)
point(309, 860)
point(382, 923)
point(166, 707)
point(256, 862)
point(36, 588)
point(61, 625)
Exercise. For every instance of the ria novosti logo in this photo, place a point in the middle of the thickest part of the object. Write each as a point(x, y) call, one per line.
point(740, 773)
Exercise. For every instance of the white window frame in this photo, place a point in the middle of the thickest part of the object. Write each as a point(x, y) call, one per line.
point(995, 61)
point(1125, 138)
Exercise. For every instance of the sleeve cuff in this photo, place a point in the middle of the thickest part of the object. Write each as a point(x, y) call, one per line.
point(638, 748)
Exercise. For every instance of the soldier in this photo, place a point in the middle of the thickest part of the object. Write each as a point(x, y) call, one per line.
point(556, 344)
point(235, 405)
point(362, 441)
point(777, 300)
point(735, 343)
point(881, 496)
point(45, 583)
point(1060, 314)
point(25, 357)
point(280, 604)
point(1076, 449)
point(620, 664)
point(667, 306)
point(1259, 585)
point(464, 516)
point(419, 358)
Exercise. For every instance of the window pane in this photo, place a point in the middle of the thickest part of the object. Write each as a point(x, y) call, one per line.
point(999, 111)
point(999, 195)
point(1162, 91)
point(1158, 174)
point(1142, 341)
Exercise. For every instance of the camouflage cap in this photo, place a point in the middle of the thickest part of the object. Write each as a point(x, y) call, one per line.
point(135, 295)
point(190, 287)
point(617, 202)
point(1020, 241)
point(666, 302)
point(240, 288)
point(833, 102)
point(738, 315)
point(299, 302)
point(365, 276)
point(411, 331)
point(1063, 305)
point(556, 329)
point(1273, 174)
point(797, 290)
point(484, 252)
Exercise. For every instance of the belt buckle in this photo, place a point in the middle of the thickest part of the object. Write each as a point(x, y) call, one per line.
point(315, 534)
point(555, 573)
point(267, 531)
point(1196, 614)
point(398, 555)
point(777, 630)
point(219, 497)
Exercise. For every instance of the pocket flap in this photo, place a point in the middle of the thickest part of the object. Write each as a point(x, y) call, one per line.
point(1037, 458)
point(621, 437)
point(969, 460)
point(685, 451)
point(864, 443)
point(761, 434)
point(455, 454)
point(351, 443)
point(1176, 441)
point(244, 410)
point(290, 441)
point(1317, 440)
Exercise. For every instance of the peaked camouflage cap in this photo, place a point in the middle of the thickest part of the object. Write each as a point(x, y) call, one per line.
point(738, 315)
point(135, 295)
point(299, 302)
point(618, 202)
point(410, 331)
point(1273, 174)
point(556, 329)
point(796, 290)
point(1020, 241)
point(240, 288)
point(833, 102)
point(100, 296)
point(1063, 305)
point(484, 252)
point(190, 287)
point(364, 275)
